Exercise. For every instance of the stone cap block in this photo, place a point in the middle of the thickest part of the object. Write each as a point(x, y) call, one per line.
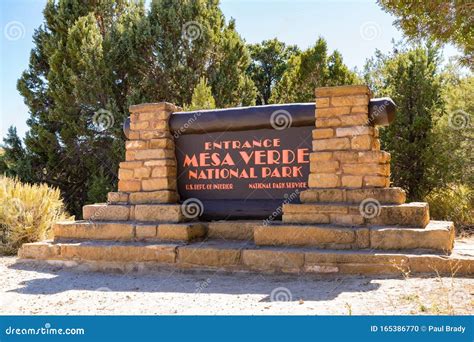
point(151, 107)
point(342, 91)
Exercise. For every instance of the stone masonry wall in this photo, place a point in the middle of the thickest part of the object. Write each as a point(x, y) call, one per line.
point(148, 174)
point(346, 148)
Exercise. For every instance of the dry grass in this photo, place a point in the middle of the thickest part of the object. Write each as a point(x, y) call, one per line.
point(27, 213)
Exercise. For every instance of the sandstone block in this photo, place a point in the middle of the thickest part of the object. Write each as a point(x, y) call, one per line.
point(342, 91)
point(130, 164)
point(231, 230)
point(363, 142)
point(324, 167)
point(166, 143)
point(305, 218)
point(153, 154)
point(383, 195)
point(331, 144)
point(163, 171)
point(437, 235)
point(165, 183)
point(269, 260)
point(327, 122)
point(129, 185)
point(323, 180)
point(160, 162)
point(360, 109)
point(323, 133)
point(332, 111)
point(322, 102)
point(125, 174)
point(141, 172)
point(162, 196)
point(366, 169)
point(354, 131)
point(351, 181)
point(93, 230)
point(154, 107)
point(350, 100)
point(154, 134)
point(39, 251)
point(104, 212)
point(208, 256)
point(298, 235)
point(165, 213)
point(138, 126)
point(146, 231)
point(415, 214)
point(320, 156)
point(376, 181)
point(181, 232)
point(161, 125)
point(164, 253)
point(322, 195)
point(117, 197)
point(353, 120)
point(136, 144)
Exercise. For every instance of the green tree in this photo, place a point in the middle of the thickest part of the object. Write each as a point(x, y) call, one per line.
point(76, 90)
point(411, 78)
point(445, 21)
point(13, 158)
point(269, 62)
point(185, 40)
point(202, 97)
point(311, 69)
point(91, 60)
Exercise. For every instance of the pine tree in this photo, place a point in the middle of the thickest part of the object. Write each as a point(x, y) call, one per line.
point(411, 78)
point(269, 62)
point(202, 97)
point(76, 92)
point(187, 40)
point(311, 69)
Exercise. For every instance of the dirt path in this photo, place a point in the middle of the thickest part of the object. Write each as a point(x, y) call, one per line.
point(36, 289)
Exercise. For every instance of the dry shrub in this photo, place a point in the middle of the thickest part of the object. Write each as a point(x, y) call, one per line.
point(27, 213)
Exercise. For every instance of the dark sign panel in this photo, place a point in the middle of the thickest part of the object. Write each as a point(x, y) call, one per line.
point(239, 174)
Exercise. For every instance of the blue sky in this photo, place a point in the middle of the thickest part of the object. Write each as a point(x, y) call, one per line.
point(356, 28)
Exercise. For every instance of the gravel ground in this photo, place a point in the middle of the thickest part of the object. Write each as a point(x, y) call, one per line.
point(32, 288)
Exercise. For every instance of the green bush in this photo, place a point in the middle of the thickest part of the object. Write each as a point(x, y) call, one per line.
point(454, 203)
point(27, 213)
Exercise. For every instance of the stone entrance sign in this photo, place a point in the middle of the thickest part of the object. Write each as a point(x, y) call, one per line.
point(186, 171)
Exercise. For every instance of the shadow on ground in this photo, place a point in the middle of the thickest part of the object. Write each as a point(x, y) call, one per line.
point(281, 287)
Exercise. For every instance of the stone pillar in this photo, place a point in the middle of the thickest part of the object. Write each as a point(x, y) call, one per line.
point(346, 148)
point(349, 175)
point(148, 174)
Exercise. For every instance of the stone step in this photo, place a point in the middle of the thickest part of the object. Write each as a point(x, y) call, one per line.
point(437, 236)
point(163, 213)
point(127, 231)
point(369, 213)
point(240, 256)
point(382, 195)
